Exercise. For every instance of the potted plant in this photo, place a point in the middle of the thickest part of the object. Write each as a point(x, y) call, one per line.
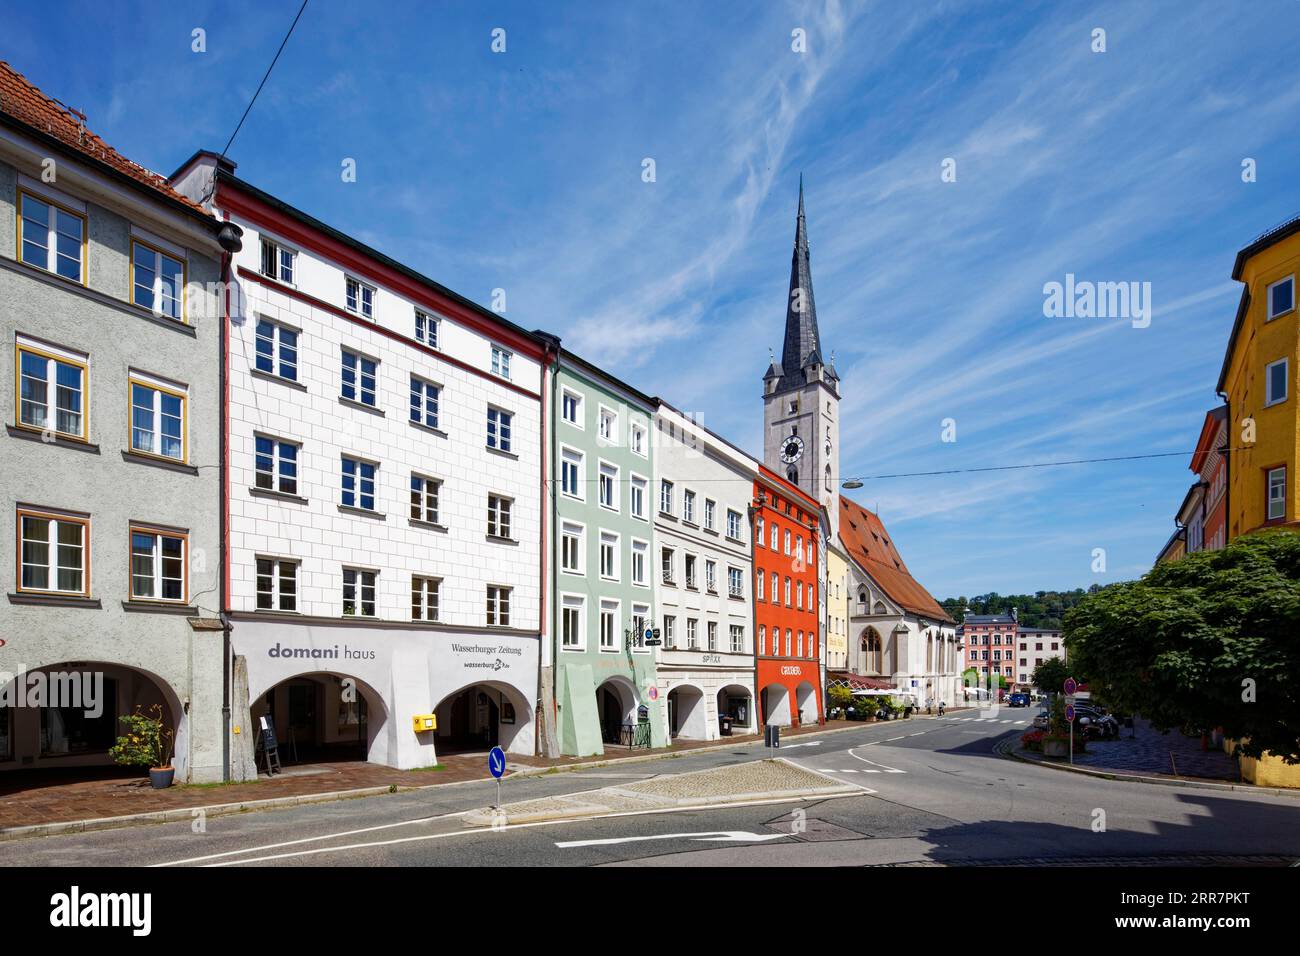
point(1056, 742)
point(146, 743)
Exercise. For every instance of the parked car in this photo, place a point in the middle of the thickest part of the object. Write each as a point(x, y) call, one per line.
point(1042, 720)
point(1018, 700)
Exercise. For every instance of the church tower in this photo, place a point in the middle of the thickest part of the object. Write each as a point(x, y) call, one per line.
point(801, 395)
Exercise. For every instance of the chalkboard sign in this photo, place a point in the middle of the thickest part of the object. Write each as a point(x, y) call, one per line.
point(268, 738)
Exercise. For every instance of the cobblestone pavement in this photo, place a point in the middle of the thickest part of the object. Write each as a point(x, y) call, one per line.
point(1156, 754)
point(763, 776)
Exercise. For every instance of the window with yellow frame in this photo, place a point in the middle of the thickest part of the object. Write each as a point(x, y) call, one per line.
point(51, 237)
point(53, 553)
point(51, 390)
point(158, 418)
point(158, 281)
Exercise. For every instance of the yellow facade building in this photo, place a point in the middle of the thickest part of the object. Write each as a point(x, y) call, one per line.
point(1258, 381)
point(837, 608)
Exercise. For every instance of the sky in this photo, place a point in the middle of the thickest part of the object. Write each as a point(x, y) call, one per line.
point(524, 170)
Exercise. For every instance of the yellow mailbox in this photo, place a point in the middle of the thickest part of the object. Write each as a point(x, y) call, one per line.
point(424, 722)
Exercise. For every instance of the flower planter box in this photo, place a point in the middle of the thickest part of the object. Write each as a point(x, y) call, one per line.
point(1055, 748)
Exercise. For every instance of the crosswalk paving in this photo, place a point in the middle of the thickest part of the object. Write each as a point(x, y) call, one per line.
point(989, 720)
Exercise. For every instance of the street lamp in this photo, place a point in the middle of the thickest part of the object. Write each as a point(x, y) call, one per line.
point(851, 484)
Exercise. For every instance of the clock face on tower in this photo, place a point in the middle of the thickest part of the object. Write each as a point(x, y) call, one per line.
point(792, 450)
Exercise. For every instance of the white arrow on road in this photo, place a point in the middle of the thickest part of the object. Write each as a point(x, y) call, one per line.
point(810, 743)
point(708, 836)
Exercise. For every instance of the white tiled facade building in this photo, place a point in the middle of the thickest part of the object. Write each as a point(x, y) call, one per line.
point(385, 520)
point(703, 537)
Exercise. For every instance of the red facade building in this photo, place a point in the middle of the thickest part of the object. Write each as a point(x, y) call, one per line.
point(785, 603)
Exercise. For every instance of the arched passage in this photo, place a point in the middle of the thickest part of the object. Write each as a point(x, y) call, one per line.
point(59, 720)
point(480, 717)
point(616, 707)
point(322, 716)
point(776, 705)
point(737, 702)
point(687, 713)
point(805, 696)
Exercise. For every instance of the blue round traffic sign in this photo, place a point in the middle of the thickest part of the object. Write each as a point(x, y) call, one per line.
point(497, 762)
point(1069, 712)
point(1071, 685)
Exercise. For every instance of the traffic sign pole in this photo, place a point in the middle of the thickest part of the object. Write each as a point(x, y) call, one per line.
point(497, 767)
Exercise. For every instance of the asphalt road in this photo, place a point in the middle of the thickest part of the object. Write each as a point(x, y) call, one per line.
point(932, 792)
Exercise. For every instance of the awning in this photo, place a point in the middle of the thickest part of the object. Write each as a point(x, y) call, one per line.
point(856, 681)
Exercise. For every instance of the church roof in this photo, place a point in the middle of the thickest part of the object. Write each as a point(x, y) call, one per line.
point(872, 549)
point(802, 346)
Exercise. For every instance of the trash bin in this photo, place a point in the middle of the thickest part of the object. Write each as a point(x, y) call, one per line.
point(724, 724)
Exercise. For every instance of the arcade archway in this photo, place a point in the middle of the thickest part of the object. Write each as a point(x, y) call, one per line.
point(616, 708)
point(481, 716)
point(776, 705)
point(687, 713)
point(321, 717)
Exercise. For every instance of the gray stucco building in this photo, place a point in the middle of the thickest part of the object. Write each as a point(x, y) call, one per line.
point(109, 490)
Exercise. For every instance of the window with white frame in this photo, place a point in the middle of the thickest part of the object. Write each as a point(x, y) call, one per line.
point(710, 513)
point(636, 439)
point(360, 297)
point(609, 625)
point(640, 575)
point(426, 328)
point(157, 418)
point(425, 593)
point(359, 592)
point(500, 361)
point(690, 571)
point(798, 547)
point(1281, 297)
point(758, 585)
point(571, 477)
point(798, 594)
point(787, 541)
point(157, 281)
point(787, 593)
point(358, 378)
point(609, 555)
point(424, 402)
point(571, 407)
point(758, 532)
point(737, 639)
point(735, 582)
point(733, 524)
point(665, 497)
point(1276, 493)
point(799, 647)
point(275, 464)
point(712, 638)
point(572, 550)
point(762, 639)
point(51, 237)
point(775, 545)
point(498, 429)
point(608, 486)
point(278, 261)
point(668, 559)
point(573, 619)
point(711, 575)
point(52, 389)
point(788, 638)
point(498, 521)
point(688, 506)
point(640, 620)
point(358, 483)
point(1276, 380)
point(670, 632)
point(607, 426)
point(498, 605)
point(158, 563)
point(276, 350)
point(277, 584)
point(776, 585)
point(692, 634)
point(424, 498)
point(638, 487)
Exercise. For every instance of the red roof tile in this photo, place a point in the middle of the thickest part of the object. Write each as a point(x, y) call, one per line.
point(27, 104)
point(872, 548)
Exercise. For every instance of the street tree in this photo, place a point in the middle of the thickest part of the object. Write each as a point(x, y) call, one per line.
point(1209, 640)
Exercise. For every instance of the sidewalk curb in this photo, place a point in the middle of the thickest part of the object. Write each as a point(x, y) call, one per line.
point(1006, 749)
point(12, 834)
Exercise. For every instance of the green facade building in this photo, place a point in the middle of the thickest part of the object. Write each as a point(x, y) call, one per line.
point(602, 566)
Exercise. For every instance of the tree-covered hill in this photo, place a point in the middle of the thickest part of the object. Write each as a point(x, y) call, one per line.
point(1040, 609)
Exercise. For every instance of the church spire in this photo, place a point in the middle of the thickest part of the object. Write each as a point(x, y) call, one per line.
point(802, 347)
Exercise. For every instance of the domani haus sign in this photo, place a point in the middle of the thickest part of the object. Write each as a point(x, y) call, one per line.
point(377, 679)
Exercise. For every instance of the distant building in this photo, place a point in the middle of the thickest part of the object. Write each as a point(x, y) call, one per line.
point(990, 645)
point(1036, 645)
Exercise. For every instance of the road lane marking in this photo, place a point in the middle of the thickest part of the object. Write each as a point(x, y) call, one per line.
point(488, 830)
point(708, 836)
point(873, 763)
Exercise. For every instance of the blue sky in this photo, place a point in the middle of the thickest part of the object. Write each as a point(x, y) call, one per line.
point(522, 171)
